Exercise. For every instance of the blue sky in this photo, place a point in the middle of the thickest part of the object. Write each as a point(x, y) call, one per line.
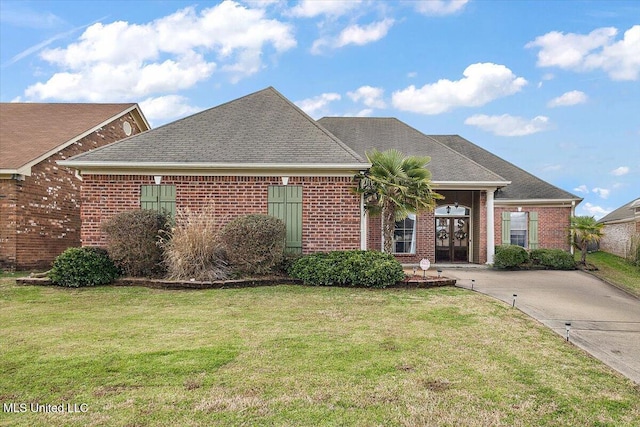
point(552, 86)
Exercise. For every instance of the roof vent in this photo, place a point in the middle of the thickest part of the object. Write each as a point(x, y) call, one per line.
point(126, 127)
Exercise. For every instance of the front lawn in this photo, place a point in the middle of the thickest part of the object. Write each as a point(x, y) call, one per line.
point(294, 355)
point(616, 270)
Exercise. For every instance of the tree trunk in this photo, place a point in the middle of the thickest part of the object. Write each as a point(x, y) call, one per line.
point(583, 250)
point(388, 226)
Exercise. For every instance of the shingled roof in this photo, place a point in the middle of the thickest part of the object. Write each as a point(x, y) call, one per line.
point(524, 186)
point(263, 129)
point(363, 134)
point(29, 131)
point(623, 213)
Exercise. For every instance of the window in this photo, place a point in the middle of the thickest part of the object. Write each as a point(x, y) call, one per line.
point(160, 198)
point(518, 234)
point(404, 236)
point(520, 228)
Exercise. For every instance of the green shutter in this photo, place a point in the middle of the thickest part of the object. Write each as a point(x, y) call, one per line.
point(533, 230)
point(149, 197)
point(167, 199)
point(506, 228)
point(285, 202)
point(294, 218)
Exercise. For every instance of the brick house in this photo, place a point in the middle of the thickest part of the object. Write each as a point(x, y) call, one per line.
point(619, 228)
point(262, 154)
point(40, 200)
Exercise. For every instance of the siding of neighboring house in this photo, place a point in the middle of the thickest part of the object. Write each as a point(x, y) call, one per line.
point(43, 212)
point(553, 225)
point(330, 210)
point(617, 237)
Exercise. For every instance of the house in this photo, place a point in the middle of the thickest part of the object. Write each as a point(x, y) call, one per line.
point(262, 154)
point(620, 226)
point(39, 199)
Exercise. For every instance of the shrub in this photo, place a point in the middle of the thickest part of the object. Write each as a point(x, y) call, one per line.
point(633, 254)
point(510, 256)
point(254, 244)
point(133, 242)
point(86, 266)
point(192, 248)
point(555, 259)
point(348, 268)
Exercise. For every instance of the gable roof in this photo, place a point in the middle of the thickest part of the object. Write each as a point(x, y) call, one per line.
point(447, 166)
point(260, 130)
point(524, 186)
point(623, 213)
point(31, 132)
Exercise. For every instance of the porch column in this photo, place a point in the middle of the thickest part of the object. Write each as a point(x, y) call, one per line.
point(363, 224)
point(491, 241)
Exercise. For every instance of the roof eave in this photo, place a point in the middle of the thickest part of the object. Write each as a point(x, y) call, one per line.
point(465, 185)
point(520, 202)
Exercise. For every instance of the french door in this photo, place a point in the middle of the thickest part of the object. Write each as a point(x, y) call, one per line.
point(452, 239)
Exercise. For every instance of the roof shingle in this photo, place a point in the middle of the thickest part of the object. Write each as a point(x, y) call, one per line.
point(30, 130)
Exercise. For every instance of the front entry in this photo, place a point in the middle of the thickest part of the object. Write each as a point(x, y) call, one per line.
point(452, 236)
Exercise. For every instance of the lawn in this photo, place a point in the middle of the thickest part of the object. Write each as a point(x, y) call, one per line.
point(294, 356)
point(616, 270)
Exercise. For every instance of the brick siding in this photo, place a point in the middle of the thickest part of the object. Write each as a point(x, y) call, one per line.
point(617, 238)
point(40, 216)
point(330, 217)
point(553, 225)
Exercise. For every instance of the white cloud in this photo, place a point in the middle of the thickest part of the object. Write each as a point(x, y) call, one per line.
point(594, 210)
point(354, 34)
point(439, 7)
point(370, 96)
point(622, 170)
point(122, 61)
point(596, 50)
point(582, 189)
point(332, 8)
point(162, 109)
point(507, 125)
point(602, 192)
point(568, 98)
point(316, 105)
point(482, 83)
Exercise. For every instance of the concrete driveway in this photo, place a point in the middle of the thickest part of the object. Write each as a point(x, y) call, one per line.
point(605, 321)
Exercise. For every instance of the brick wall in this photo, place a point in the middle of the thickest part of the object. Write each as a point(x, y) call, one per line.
point(47, 205)
point(330, 217)
point(617, 238)
point(553, 225)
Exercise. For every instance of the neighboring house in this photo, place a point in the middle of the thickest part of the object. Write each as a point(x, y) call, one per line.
point(619, 227)
point(40, 200)
point(261, 153)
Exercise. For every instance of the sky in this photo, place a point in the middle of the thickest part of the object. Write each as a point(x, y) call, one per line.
point(551, 86)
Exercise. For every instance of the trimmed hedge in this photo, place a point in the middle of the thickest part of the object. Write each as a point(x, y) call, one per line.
point(133, 238)
point(510, 256)
point(348, 268)
point(88, 266)
point(554, 259)
point(254, 243)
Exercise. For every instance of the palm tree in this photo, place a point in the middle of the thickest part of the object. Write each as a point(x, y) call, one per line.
point(394, 187)
point(585, 230)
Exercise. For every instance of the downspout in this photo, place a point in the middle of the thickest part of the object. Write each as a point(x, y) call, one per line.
point(573, 213)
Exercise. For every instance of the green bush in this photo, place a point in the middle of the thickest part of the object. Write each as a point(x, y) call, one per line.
point(348, 268)
point(510, 256)
point(86, 266)
point(254, 243)
point(133, 242)
point(555, 259)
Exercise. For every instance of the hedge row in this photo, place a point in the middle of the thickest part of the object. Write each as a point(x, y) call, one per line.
point(513, 256)
point(348, 268)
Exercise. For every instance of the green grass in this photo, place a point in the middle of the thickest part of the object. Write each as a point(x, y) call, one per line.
point(616, 270)
point(295, 356)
